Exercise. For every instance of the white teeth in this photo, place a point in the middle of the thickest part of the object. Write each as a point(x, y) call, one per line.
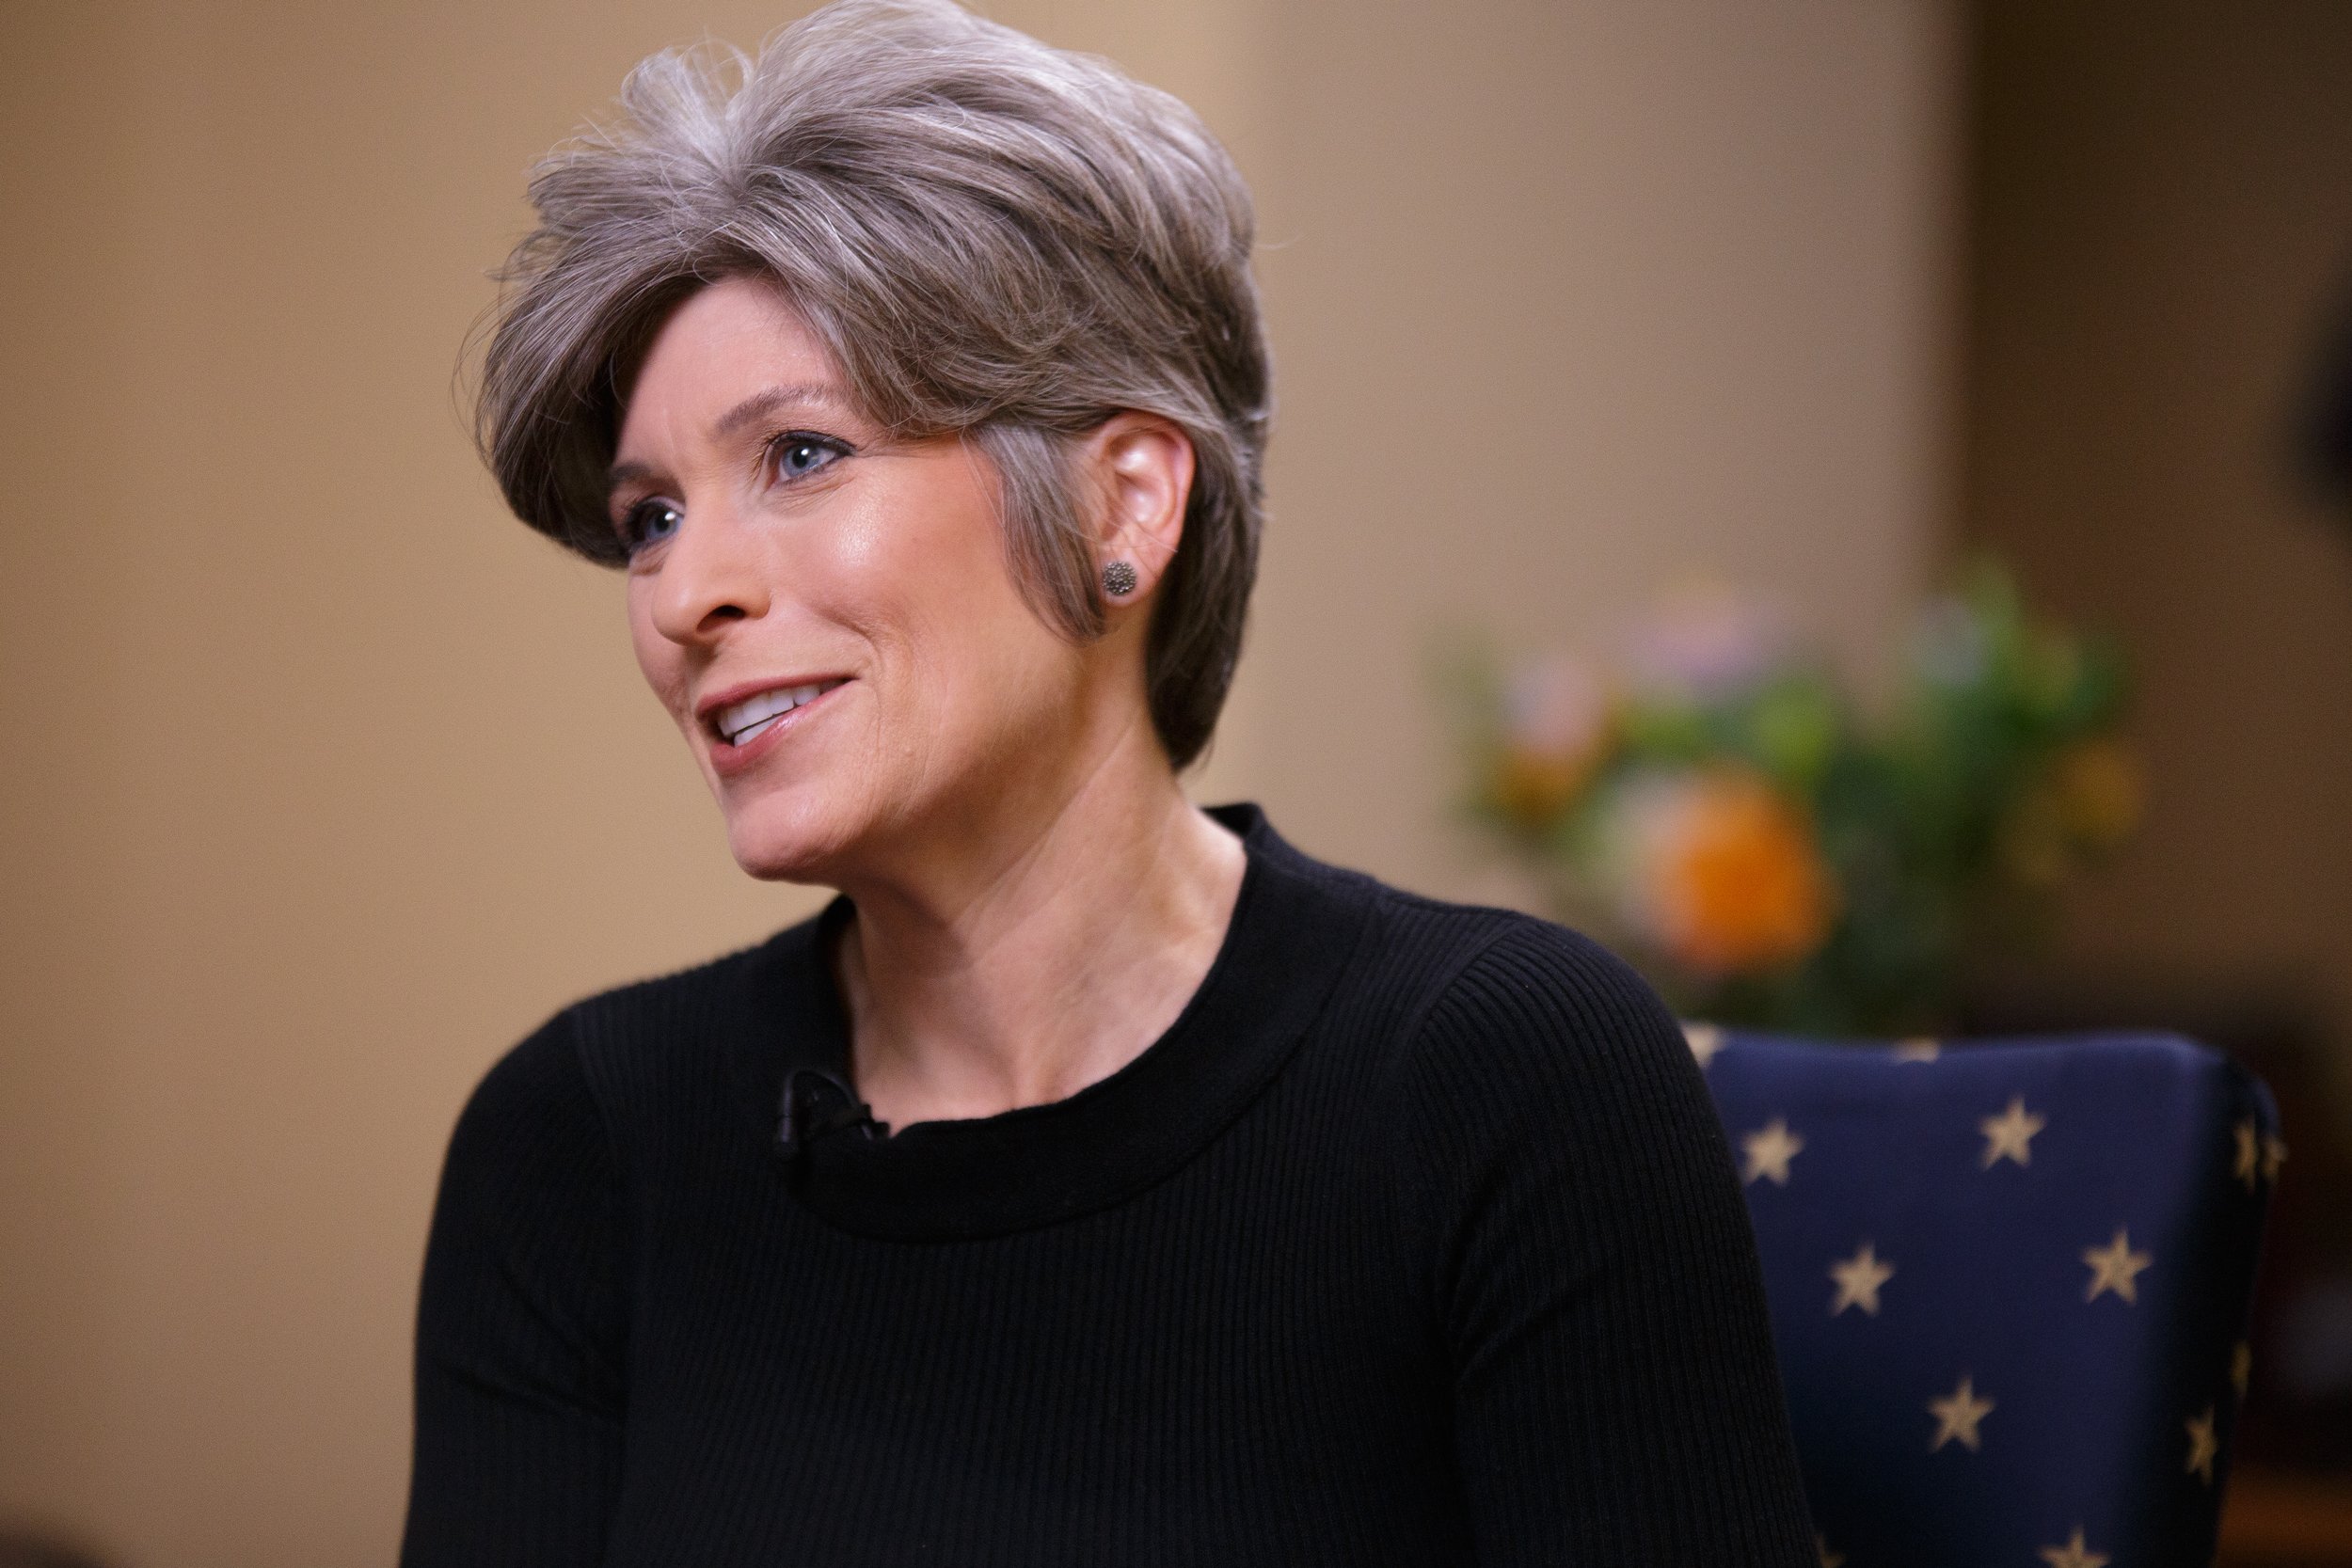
point(744, 722)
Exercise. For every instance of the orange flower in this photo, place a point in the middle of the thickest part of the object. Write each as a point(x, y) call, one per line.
point(1726, 876)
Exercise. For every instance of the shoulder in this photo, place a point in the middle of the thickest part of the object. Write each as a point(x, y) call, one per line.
point(679, 1043)
point(608, 1069)
point(562, 1120)
point(523, 1293)
point(1546, 1099)
point(612, 1026)
point(533, 1126)
point(1405, 949)
point(1529, 981)
point(532, 1089)
point(1528, 1008)
point(1528, 1058)
point(1471, 992)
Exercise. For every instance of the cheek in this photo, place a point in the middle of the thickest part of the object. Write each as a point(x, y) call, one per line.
point(995, 682)
point(937, 573)
point(918, 566)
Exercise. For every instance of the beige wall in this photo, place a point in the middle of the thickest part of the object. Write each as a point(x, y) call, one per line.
point(1573, 301)
point(2164, 231)
point(323, 783)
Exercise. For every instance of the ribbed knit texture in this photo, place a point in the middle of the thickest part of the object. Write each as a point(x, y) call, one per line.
point(1415, 1240)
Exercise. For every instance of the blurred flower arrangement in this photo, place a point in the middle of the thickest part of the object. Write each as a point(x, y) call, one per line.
point(1721, 812)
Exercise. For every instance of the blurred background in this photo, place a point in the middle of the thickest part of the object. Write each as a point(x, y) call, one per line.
point(323, 781)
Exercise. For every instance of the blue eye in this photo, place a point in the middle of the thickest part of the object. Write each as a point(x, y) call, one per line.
point(649, 522)
point(797, 457)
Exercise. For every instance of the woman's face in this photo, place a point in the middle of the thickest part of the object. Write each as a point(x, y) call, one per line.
point(828, 614)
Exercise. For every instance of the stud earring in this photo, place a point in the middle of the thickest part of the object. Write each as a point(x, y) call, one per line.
point(1119, 579)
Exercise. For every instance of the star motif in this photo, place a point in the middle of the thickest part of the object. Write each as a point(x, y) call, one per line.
point(2202, 1445)
point(2241, 1366)
point(2010, 1136)
point(2274, 1155)
point(1705, 1041)
point(2115, 1267)
point(1829, 1559)
point(1958, 1411)
point(1768, 1149)
point(2073, 1554)
point(2248, 1151)
point(1858, 1280)
point(1914, 1051)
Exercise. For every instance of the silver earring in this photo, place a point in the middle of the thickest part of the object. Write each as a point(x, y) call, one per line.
point(1119, 579)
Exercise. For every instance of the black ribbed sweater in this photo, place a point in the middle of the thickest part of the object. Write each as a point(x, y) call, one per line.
point(1413, 1240)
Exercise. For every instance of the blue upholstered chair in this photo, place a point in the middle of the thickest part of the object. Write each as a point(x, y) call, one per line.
point(2010, 1284)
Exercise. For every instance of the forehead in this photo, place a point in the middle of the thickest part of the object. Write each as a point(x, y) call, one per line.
point(726, 347)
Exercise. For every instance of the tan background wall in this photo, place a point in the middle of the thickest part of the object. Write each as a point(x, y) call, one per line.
point(2162, 233)
point(323, 783)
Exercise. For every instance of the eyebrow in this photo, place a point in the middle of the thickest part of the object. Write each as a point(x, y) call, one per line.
point(751, 411)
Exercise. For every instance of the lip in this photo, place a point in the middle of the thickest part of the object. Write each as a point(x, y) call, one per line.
point(728, 759)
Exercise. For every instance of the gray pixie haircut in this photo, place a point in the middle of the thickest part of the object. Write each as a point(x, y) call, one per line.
point(994, 238)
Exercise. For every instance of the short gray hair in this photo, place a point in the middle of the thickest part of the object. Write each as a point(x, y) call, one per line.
point(993, 237)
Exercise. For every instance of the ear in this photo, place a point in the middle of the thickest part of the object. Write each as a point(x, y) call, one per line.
point(1142, 467)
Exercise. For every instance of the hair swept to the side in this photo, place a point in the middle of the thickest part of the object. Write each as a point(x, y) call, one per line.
point(993, 237)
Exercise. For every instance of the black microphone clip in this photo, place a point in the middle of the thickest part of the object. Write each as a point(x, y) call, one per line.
point(815, 1103)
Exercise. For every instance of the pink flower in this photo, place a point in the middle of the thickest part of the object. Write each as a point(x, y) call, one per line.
point(1704, 641)
point(1555, 707)
point(1555, 734)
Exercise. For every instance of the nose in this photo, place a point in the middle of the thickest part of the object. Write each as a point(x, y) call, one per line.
point(709, 576)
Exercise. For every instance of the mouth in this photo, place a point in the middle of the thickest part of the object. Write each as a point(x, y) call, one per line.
point(746, 719)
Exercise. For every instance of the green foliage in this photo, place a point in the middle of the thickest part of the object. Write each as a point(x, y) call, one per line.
point(1773, 857)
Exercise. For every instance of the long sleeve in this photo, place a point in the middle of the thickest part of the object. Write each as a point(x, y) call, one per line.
point(522, 1326)
point(1588, 1264)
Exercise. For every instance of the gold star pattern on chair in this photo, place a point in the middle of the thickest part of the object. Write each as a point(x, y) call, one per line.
point(2248, 1151)
point(1705, 1040)
point(2023, 1409)
point(2115, 1267)
point(1768, 1150)
point(2073, 1554)
point(1858, 1280)
point(2010, 1136)
point(1959, 1411)
point(2202, 1445)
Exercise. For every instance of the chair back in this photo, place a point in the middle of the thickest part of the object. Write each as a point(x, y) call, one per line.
point(2010, 1284)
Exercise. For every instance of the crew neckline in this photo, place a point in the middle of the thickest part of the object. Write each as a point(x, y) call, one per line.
point(1293, 925)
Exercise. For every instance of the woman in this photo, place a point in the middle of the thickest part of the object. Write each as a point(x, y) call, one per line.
point(1096, 1180)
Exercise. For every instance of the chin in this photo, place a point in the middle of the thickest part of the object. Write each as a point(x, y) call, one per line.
point(785, 840)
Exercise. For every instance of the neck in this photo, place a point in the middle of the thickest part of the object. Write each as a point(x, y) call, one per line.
point(1013, 960)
